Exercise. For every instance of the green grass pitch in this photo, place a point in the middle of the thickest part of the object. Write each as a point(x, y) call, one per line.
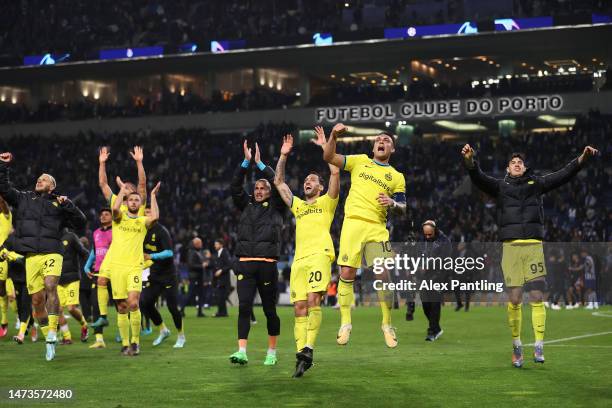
point(468, 367)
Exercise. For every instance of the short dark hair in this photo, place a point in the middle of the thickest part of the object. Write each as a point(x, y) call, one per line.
point(316, 173)
point(390, 134)
point(517, 155)
point(220, 240)
point(104, 209)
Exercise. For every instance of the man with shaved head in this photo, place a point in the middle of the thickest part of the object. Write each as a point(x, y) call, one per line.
point(40, 216)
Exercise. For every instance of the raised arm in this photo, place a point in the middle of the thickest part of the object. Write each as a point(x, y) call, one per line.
point(102, 179)
point(239, 194)
point(560, 177)
point(334, 179)
point(279, 179)
point(329, 148)
point(117, 213)
point(138, 157)
point(154, 215)
point(488, 184)
point(7, 191)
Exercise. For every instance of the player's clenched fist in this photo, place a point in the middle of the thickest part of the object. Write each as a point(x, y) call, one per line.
point(6, 157)
point(468, 154)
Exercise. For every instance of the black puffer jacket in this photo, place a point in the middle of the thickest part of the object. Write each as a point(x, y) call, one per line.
point(519, 199)
point(74, 253)
point(38, 219)
point(259, 231)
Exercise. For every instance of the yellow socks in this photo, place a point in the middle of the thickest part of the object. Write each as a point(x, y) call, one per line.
point(53, 320)
point(314, 324)
point(346, 297)
point(385, 306)
point(66, 332)
point(99, 337)
point(135, 320)
point(299, 331)
point(538, 320)
point(123, 322)
point(515, 317)
point(3, 309)
point(44, 330)
point(23, 326)
point(103, 300)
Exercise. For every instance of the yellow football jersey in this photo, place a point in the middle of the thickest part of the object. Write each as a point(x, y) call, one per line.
point(6, 224)
point(128, 237)
point(368, 179)
point(124, 209)
point(312, 223)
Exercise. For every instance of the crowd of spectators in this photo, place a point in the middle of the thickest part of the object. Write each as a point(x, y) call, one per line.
point(81, 28)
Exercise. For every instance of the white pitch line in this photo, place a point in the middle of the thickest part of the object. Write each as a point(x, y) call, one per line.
point(580, 346)
point(584, 336)
point(602, 314)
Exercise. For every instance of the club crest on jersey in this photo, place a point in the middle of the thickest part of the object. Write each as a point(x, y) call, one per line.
point(388, 176)
point(240, 277)
point(65, 243)
point(265, 204)
point(345, 258)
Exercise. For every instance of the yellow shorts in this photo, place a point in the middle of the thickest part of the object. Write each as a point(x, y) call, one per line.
point(69, 293)
point(310, 274)
point(40, 265)
point(354, 235)
point(125, 279)
point(3, 270)
point(10, 288)
point(522, 262)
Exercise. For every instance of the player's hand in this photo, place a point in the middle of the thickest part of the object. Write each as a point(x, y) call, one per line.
point(287, 145)
point(89, 275)
point(120, 183)
point(257, 154)
point(247, 152)
point(147, 257)
point(156, 189)
point(320, 138)
point(338, 130)
point(6, 157)
point(137, 154)
point(587, 153)
point(467, 152)
point(62, 200)
point(218, 273)
point(103, 154)
point(385, 200)
point(468, 155)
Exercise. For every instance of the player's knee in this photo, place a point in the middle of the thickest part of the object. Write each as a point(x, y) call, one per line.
point(300, 309)
point(133, 305)
point(314, 299)
point(245, 309)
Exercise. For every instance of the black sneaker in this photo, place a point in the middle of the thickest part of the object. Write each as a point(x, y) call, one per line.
point(135, 349)
point(125, 351)
point(304, 362)
point(409, 317)
point(458, 307)
point(434, 336)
